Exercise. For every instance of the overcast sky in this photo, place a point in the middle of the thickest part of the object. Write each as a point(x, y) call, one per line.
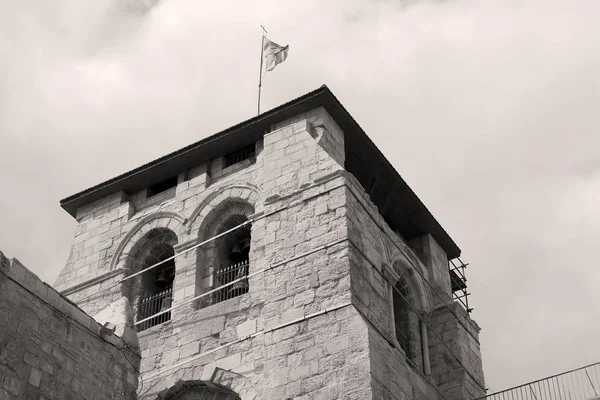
point(488, 109)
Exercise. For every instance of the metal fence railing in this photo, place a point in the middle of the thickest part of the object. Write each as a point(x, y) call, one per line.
point(229, 274)
point(230, 282)
point(578, 384)
point(153, 305)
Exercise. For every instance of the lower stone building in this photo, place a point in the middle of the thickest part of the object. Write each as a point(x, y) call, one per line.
point(283, 258)
point(51, 349)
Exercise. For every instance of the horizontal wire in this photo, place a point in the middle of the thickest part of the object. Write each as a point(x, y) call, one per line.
point(283, 325)
point(270, 267)
point(287, 207)
point(292, 204)
point(276, 211)
point(189, 249)
point(265, 215)
point(274, 265)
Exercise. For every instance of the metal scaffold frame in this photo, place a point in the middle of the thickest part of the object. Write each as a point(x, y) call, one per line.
point(458, 282)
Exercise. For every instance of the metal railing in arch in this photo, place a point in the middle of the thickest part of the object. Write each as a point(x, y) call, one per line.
point(228, 274)
point(151, 309)
point(230, 281)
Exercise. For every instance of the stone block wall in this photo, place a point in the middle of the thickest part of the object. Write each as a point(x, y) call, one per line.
point(50, 349)
point(290, 334)
point(460, 374)
point(378, 257)
point(433, 257)
point(301, 356)
point(290, 157)
point(317, 319)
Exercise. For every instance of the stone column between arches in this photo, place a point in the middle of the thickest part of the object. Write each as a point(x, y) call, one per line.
point(188, 282)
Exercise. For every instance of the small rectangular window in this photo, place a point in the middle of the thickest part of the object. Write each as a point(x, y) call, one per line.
point(162, 186)
point(239, 155)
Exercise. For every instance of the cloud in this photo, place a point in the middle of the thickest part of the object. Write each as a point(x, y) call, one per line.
point(487, 108)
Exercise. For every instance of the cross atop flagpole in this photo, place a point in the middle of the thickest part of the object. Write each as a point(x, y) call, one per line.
point(274, 55)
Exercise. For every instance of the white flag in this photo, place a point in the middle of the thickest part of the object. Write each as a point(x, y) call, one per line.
point(273, 54)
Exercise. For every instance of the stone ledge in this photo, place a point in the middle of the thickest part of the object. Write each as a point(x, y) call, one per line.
point(316, 184)
point(22, 276)
point(94, 281)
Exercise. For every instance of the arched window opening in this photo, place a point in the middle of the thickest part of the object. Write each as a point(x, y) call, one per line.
point(233, 260)
point(406, 324)
point(223, 264)
point(154, 288)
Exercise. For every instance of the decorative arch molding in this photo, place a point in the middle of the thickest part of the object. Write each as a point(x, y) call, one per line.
point(235, 382)
point(392, 252)
point(397, 264)
point(229, 385)
point(162, 219)
point(197, 390)
point(400, 267)
point(233, 191)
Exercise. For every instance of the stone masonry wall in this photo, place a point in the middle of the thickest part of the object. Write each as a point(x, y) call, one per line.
point(50, 349)
point(294, 158)
point(375, 251)
point(296, 345)
point(462, 337)
point(317, 319)
point(289, 336)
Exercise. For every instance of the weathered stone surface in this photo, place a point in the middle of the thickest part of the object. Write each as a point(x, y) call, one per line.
point(48, 346)
point(120, 314)
point(317, 320)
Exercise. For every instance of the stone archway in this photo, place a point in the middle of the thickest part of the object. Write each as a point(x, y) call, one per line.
point(243, 193)
point(161, 219)
point(197, 390)
point(151, 292)
point(214, 262)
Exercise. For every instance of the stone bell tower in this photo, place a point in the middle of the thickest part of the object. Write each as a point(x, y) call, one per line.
point(282, 258)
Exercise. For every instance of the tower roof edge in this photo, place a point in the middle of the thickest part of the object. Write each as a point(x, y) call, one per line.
point(363, 159)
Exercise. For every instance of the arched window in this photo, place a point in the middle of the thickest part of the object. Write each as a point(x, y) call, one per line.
point(406, 323)
point(224, 264)
point(152, 291)
point(234, 259)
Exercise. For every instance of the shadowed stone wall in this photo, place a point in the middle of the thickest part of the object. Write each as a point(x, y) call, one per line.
point(51, 349)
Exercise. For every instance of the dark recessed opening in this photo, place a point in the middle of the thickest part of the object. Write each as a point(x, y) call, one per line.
point(162, 186)
point(392, 226)
point(240, 155)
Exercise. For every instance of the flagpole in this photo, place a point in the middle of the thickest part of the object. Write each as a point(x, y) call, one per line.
point(262, 45)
